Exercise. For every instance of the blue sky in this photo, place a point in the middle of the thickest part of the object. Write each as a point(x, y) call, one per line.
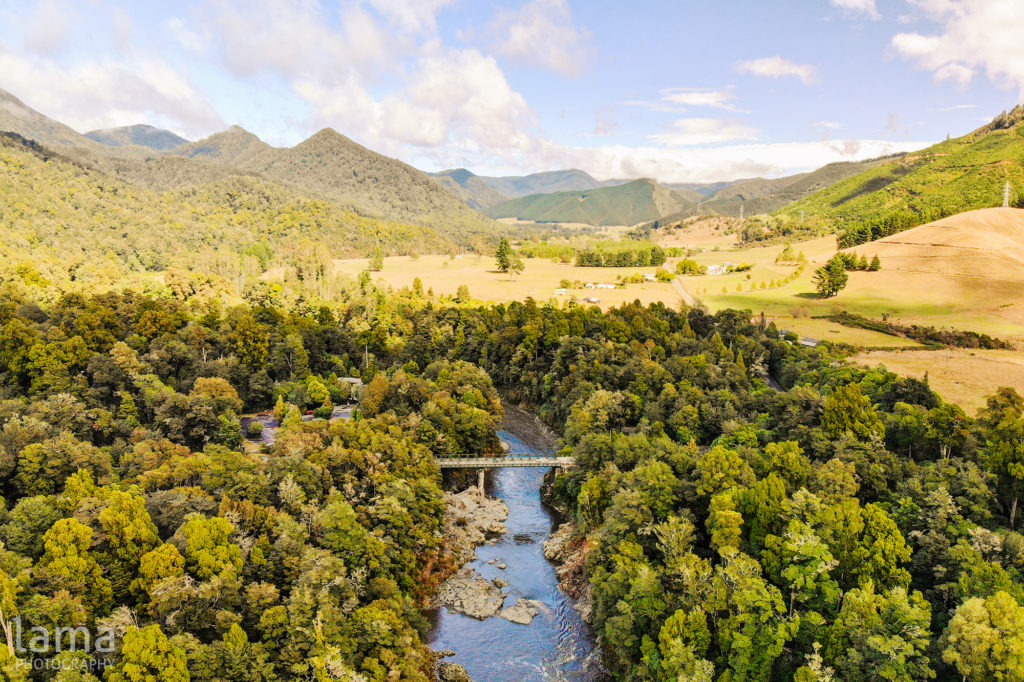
point(679, 91)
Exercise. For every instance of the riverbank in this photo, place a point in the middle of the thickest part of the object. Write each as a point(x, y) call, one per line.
point(568, 550)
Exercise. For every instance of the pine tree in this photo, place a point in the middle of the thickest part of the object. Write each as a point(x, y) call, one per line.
point(875, 265)
point(504, 255)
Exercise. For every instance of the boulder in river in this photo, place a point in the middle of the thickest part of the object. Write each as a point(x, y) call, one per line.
point(472, 519)
point(521, 612)
point(468, 593)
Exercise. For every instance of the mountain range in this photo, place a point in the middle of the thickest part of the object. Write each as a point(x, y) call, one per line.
point(328, 165)
point(872, 198)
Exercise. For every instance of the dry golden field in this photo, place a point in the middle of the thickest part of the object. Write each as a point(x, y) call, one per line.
point(965, 377)
point(539, 280)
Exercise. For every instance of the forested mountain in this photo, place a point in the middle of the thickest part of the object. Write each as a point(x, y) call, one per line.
point(66, 225)
point(954, 176)
point(635, 202)
point(470, 188)
point(235, 147)
point(140, 134)
point(338, 169)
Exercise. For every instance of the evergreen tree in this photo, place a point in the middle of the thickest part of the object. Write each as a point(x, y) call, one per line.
point(504, 255)
point(831, 278)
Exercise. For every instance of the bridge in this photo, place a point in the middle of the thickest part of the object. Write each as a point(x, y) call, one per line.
point(481, 463)
point(546, 460)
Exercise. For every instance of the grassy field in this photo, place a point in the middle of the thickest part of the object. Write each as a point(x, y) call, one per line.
point(966, 272)
point(960, 376)
point(538, 281)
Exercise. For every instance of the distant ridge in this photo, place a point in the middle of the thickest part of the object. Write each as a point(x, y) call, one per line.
point(628, 204)
point(139, 134)
point(571, 180)
point(469, 187)
point(235, 146)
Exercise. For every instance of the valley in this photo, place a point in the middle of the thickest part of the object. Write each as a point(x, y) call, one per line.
point(241, 386)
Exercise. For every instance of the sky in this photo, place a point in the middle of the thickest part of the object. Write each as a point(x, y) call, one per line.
point(680, 91)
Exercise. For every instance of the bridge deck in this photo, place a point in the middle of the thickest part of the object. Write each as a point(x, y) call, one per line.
point(501, 462)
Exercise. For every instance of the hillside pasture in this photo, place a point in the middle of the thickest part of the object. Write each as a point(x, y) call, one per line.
point(964, 272)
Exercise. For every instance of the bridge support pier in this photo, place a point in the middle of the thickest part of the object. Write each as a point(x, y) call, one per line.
point(480, 480)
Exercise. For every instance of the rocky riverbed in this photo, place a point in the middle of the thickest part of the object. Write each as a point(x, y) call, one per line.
point(502, 617)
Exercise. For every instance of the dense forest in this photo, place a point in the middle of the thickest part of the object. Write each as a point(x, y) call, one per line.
point(846, 525)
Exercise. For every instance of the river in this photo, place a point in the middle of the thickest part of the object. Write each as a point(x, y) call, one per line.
point(557, 645)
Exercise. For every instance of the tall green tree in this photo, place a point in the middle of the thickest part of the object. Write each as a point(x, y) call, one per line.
point(831, 278)
point(985, 639)
point(504, 255)
point(148, 656)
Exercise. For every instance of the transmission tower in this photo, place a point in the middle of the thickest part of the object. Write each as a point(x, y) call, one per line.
point(742, 206)
point(1006, 195)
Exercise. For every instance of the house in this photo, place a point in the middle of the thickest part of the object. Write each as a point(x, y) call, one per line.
point(561, 292)
point(717, 269)
point(650, 277)
point(605, 285)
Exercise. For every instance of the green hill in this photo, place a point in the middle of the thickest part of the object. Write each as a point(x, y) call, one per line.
point(469, 187)
point(761, 195)
point(64, 225)
point(635, 202)
point(142, 135)
point(549, 181)
point(954, 176)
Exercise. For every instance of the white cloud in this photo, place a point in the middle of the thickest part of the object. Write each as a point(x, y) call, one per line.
point(541, 33)
point(728, 162)
point(858, 7)
point(973, 36)
point(107, 92)
point(778, 67)
point(411, 16)
point(955, 107)
point(675, 100)
point(826, 125)
point(719, 99)
point(687, 132)
point(379, 74)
